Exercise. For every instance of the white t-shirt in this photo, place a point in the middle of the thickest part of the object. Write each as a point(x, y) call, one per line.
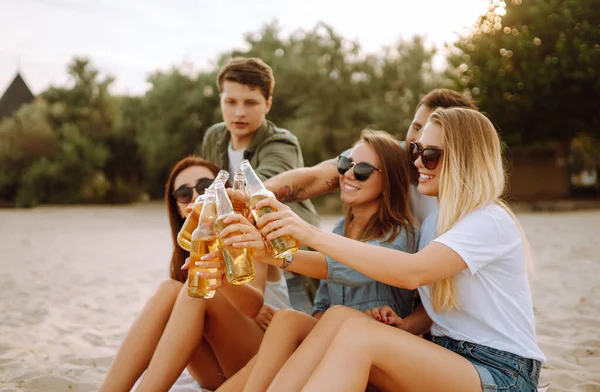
point(277, 295)
point(235, 159)
point(496, 307)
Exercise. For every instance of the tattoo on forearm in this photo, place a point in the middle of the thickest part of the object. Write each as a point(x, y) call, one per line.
point(287, 194)
point(333, 183)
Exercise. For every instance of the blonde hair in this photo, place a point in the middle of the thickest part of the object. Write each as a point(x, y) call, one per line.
point(472, 176)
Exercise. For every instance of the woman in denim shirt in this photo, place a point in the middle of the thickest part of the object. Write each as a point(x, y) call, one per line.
point(375, 174)
point(345, 286)
point(472, 281)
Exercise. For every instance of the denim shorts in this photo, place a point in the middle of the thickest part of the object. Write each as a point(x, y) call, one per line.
point(498, 370)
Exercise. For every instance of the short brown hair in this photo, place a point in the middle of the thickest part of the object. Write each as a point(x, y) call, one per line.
point(445, 98)
point(251, 72)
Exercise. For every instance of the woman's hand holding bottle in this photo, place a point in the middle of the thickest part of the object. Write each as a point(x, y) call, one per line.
point(240, 233)
point(283, 221)
point(212, 266)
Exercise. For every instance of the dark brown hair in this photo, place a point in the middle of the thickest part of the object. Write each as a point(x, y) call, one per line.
point(394, 212)
point(175, 220)
point(445, 98)
point(251, 72)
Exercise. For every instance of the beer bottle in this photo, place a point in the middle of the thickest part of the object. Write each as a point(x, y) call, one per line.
point(239, 269)
point(184, 237)
point(239, 196)
point(204, 240)
point(281, 247)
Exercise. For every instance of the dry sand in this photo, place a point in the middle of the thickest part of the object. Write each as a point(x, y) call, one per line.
point(73, 278)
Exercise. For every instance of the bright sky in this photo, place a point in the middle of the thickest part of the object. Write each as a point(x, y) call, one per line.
point(131, 38)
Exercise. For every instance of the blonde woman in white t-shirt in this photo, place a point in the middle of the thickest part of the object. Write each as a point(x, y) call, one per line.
point(472, 280)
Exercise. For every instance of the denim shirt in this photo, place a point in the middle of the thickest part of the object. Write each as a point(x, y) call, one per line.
point(428, 229)
point(345, 286)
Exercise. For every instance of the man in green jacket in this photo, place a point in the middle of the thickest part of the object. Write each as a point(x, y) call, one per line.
point(246, 88)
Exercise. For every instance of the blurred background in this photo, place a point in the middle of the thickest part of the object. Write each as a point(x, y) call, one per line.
point(99, 100)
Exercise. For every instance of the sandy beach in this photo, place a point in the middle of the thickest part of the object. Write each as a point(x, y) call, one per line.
point(73, 278)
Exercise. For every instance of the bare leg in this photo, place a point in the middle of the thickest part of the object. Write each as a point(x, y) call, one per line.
point(233, 337)
point(296, 371)
point(205, 368)
point(285, 333)
point(412, 363)
point(236, 382)
point(140, 342)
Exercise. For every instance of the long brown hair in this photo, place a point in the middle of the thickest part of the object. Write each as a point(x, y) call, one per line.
point(394, 212)
point(175, 220)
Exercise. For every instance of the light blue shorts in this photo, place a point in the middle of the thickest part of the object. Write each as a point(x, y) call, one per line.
point(498, 370)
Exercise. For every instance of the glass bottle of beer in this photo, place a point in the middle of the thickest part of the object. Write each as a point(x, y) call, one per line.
point(239, 269)
point(284, 246)
point(204, 240)
point(184, 237)
point(239, 196)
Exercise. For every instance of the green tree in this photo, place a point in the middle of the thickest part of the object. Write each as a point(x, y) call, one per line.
point(24, 138)
point(327, 90)
point(177, 110)
point(533, 66)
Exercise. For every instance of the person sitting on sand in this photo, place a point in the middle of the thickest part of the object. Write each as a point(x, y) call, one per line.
point(213, 338)
point(375, 173)
point(472, 280)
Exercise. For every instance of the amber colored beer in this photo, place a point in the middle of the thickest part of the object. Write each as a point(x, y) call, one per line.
point(282, 247)
point(184, 237)
point(197, 285)
point(239, 204)
point(239, 196)
point(239, 269)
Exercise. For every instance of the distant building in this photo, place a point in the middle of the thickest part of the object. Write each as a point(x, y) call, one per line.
point(15, 95)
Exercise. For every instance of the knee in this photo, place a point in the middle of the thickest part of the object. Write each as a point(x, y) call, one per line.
point(285, 317)
point(340, 313)
point(170, 287)
point(354, 331)
point(290, 324)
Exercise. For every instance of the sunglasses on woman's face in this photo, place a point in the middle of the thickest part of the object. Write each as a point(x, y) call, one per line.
point(184, 193)
point(362, 170)
point(429, 156)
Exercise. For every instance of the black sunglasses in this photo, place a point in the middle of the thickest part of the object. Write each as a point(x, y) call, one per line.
point(184, 193)
point(429, 156)
point(362, 170)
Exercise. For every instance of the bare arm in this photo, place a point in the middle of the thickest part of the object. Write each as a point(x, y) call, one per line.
point(393, 267)
point(305, 182)
point(396, 268)
point(418, 322)
point(307, 263)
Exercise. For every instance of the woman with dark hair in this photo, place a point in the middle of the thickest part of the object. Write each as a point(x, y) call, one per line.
point(213, 338)
point(374, 182)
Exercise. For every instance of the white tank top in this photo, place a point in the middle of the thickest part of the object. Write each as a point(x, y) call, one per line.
point(277, 295)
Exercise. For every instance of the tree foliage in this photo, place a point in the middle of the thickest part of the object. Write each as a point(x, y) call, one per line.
point(534, 67)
